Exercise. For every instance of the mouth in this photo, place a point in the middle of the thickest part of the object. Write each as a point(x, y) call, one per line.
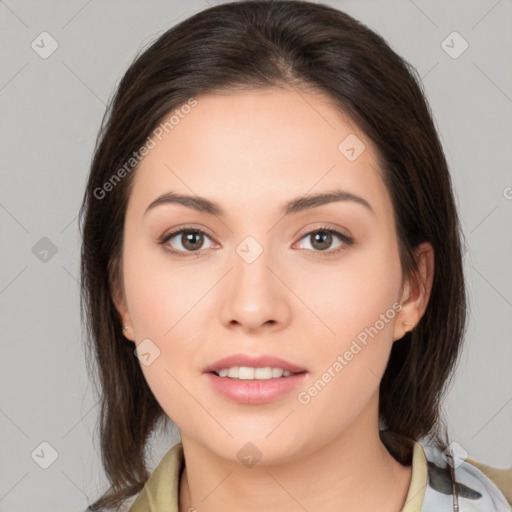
point(250, 373)
point(254, 380)
point(250, 367)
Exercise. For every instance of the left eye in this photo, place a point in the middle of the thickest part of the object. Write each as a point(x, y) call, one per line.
point(322, 239)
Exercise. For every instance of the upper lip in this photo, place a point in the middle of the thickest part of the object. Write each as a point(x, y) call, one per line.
point(258, 361)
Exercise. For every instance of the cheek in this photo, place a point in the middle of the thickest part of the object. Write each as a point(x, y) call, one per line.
point(352, 294)
point(161, 291)
point(168, 304)
point(360, 311)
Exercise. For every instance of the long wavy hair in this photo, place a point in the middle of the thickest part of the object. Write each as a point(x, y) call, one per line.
point(260, 44)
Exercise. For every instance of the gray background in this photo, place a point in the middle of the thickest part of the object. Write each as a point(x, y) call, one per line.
point(51, 111)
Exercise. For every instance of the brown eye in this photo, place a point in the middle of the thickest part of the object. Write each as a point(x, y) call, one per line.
point(185, 241)
point(192, 240)
point(322, 239)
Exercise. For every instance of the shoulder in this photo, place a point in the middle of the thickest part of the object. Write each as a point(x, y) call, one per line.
point(501, 478)
point(473, 488)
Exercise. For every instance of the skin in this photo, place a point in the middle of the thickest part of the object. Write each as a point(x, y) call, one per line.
point(250, 151)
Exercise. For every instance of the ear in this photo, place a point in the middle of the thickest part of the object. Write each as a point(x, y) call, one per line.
point(118, 296)
point(416, 291)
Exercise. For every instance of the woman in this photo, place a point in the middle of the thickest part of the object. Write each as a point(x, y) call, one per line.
point(272, 260)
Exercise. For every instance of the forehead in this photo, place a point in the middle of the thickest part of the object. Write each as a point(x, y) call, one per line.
point(255, 148)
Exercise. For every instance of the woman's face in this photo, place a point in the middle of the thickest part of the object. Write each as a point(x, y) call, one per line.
point(262, 280)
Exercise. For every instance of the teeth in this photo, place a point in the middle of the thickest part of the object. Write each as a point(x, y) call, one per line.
point(248, 373)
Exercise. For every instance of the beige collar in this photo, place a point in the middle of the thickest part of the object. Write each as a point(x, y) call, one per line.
point(160, 494)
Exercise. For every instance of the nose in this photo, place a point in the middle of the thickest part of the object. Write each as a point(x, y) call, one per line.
point(254, 296)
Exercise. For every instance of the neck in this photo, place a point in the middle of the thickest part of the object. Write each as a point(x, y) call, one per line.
point(353, 471)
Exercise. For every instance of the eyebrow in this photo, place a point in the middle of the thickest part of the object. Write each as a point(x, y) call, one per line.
point(296, 205)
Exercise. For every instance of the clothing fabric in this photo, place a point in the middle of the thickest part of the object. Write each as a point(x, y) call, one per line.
point(431, 488)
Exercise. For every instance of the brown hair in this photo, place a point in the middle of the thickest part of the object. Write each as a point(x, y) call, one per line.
point(257, 44)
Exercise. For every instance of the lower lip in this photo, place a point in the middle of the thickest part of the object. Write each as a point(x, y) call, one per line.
point(256, 391)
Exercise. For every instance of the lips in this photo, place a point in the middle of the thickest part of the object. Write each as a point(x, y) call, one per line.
point(259, 361)
point(255, 392)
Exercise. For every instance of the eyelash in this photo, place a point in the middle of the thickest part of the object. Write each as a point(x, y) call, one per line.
point(347, 241)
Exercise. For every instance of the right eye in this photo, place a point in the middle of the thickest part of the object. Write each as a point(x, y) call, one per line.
point(190, 240)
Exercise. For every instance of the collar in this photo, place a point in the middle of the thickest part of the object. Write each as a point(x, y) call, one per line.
point(161, 490)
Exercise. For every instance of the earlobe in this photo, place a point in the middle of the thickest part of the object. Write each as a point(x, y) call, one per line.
point(120, 304)
point(416, 293)
point(126, 331)
point(119, 300)
point(125, 319)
